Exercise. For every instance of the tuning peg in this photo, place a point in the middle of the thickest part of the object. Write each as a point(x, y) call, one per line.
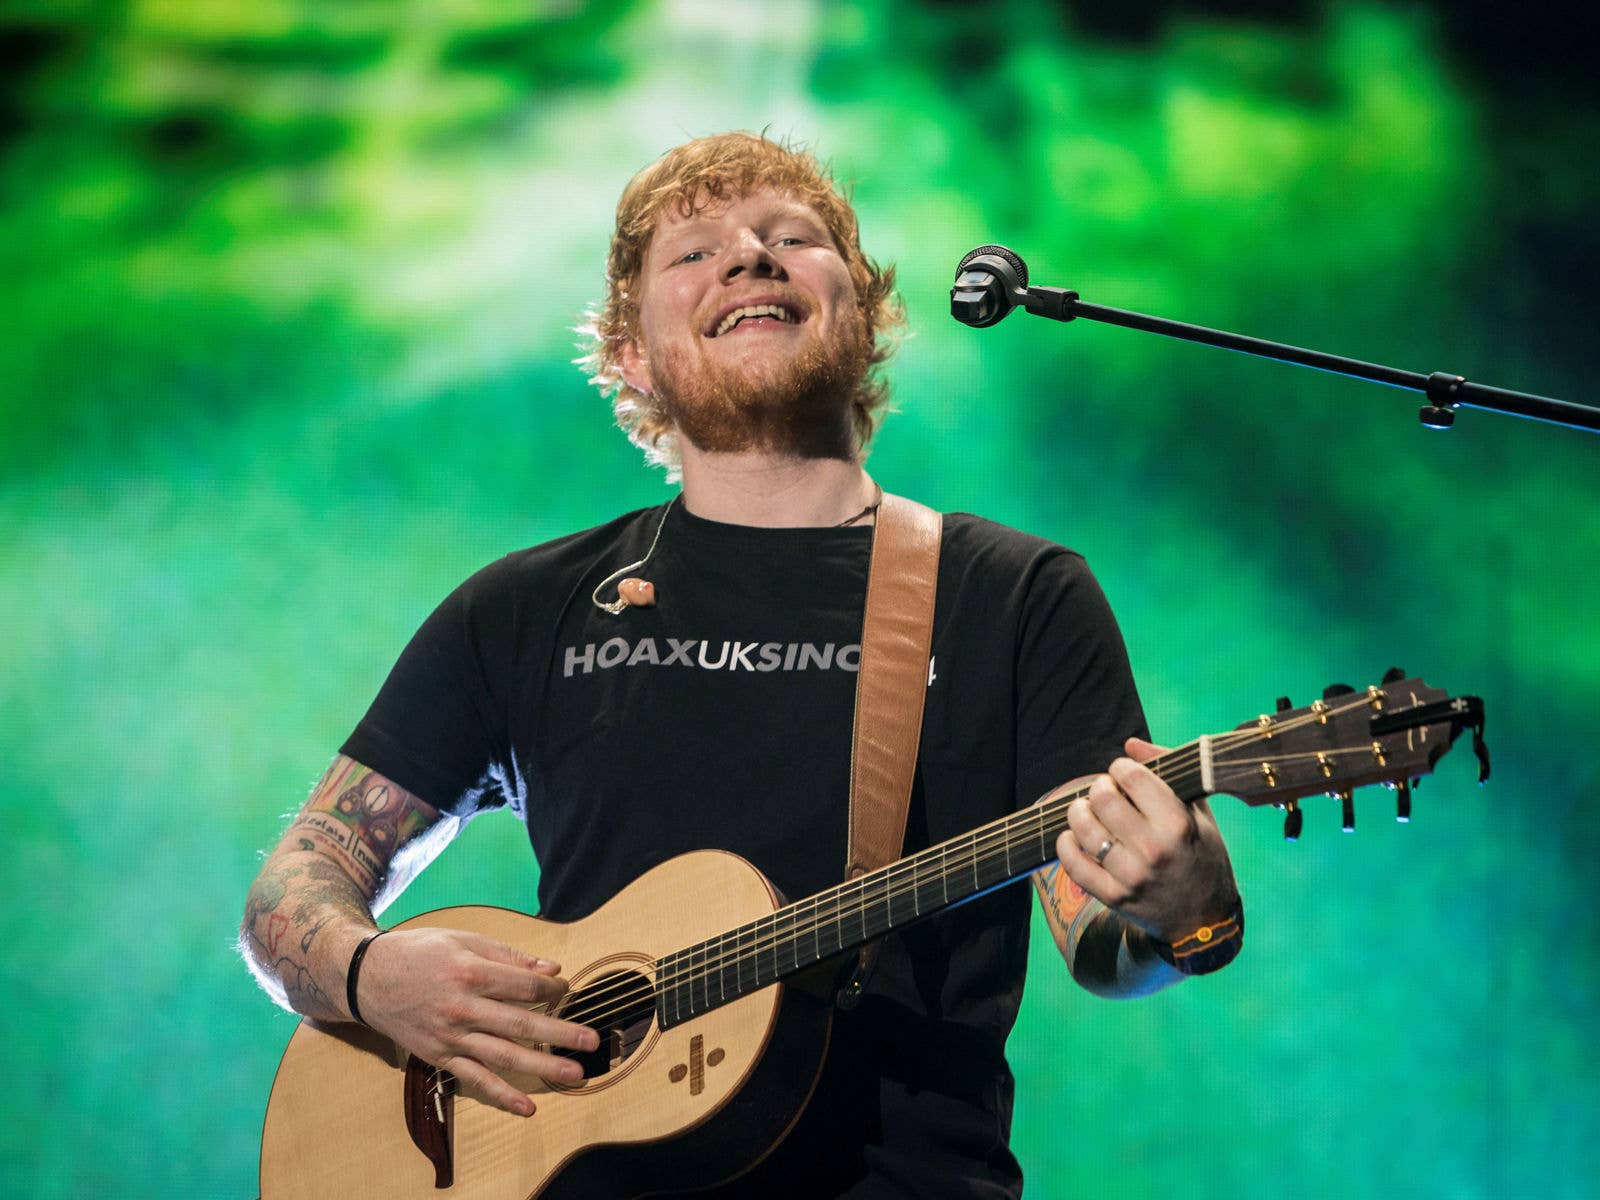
point(1402, 801)
point(1481, 749)
point(1334, 690)
point(1347, 804)
point(1394, 675)
point(1285, 704)
point(1293, 821)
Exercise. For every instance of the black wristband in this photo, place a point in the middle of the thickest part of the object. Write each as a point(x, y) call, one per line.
point(1207, 949)
point(354, 974)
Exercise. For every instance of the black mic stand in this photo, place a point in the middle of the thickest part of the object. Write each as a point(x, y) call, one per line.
point(1445, 392)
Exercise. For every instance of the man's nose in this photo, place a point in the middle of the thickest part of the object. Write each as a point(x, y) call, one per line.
point(747, 253)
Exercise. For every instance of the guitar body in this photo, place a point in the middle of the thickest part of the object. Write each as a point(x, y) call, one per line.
point(660, 1110)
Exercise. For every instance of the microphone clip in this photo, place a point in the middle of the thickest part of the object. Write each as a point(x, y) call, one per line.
point(990, 282)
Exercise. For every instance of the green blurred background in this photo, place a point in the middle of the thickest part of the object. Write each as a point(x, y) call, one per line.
point(288, 307)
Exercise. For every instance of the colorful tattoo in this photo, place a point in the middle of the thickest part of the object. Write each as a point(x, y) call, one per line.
point(1069, 910)
point(356, 818)
point(325, 873)
point(276, 924)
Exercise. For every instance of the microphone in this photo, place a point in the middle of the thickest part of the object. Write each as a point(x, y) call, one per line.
point(990, 282)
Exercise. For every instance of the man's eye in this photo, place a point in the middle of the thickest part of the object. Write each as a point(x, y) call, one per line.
point(792, 240)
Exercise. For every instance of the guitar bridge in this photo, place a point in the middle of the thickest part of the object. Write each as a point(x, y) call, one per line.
point(430, 1116)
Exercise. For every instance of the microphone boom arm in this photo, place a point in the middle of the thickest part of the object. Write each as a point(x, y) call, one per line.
point(1445, 392)
point(986, 292)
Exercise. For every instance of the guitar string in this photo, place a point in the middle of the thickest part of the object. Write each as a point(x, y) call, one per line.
point(983, 850)
point(783, 927)
point(987, 854)
point(780, 928)
point(788, 924)
point(980, 850)
point(595, 1004)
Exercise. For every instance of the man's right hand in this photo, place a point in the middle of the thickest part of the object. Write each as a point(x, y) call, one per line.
point(460, 1001)
point(474, 1007)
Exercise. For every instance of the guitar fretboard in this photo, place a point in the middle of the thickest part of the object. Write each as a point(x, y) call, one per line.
point(798, 936)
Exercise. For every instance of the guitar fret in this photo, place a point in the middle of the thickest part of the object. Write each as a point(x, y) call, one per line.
point(680, 983)
point(897, 891)
point(757, 932)
point(776, 936)
point(756, 981)
point(722, 970)
point(675, 988)
point(708, 968)
point(927, 881)
point(664, 990)
point(772, 940)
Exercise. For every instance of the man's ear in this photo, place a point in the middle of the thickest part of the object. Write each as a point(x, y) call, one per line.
point(635, 367)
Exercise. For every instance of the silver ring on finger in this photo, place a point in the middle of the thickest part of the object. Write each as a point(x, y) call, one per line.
point(1105, 849)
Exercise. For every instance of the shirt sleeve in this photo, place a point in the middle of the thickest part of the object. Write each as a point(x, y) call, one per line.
point(1076, 698)
point(437, 726)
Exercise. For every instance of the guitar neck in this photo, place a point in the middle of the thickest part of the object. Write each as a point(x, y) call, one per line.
point(798, 936)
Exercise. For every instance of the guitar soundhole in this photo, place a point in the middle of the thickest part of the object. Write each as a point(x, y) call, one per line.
point(619, 1007)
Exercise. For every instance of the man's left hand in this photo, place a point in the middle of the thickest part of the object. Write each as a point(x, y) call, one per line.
point(1133, 845)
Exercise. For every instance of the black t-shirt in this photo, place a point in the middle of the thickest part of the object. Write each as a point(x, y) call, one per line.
point(722, 718)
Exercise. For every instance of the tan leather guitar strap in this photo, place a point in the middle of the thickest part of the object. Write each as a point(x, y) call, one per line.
point(891, 685)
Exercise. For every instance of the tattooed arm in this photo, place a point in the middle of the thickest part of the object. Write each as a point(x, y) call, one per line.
point(316, 894)
point(1106, 955)
point(457, 1000)
point(1135, 864)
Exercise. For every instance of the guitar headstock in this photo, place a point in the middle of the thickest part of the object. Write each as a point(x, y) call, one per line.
point(1390, 734)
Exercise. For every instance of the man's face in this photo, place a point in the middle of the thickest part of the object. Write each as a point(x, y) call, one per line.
point(750, 334)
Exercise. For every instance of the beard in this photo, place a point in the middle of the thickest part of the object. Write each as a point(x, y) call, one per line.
point(798, 408)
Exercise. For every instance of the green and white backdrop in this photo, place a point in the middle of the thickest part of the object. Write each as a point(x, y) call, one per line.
point(287, 316)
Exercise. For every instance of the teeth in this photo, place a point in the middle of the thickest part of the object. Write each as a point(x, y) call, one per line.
point(755, 310)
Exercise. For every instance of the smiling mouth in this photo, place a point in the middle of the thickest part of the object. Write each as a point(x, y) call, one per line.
point(755, 312)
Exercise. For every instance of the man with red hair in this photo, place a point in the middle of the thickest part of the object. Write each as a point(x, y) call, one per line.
point(710, 705)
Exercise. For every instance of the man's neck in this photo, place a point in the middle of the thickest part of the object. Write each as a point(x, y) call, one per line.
point(772, 490)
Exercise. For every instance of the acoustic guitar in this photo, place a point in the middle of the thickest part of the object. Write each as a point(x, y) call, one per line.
point(695, 977)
